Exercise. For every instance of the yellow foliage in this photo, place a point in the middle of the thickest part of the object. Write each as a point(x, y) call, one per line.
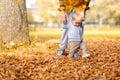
point(37, 62)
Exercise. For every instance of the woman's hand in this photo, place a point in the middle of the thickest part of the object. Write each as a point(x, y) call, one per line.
point(83, 13)
point(63, 18)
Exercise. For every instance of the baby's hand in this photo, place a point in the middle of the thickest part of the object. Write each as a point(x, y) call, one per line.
point(76, 23)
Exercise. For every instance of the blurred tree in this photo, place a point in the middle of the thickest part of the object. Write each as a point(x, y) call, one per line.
point(13, 22)
point(48, 10)
point(102, 12)
point(105, 11)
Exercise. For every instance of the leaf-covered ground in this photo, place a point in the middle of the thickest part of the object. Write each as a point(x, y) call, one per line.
point(37, 62)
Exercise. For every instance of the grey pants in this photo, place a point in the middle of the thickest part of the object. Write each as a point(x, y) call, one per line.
point(74, 48)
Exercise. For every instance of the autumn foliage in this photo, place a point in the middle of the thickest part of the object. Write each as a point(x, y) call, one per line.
point(37, 62)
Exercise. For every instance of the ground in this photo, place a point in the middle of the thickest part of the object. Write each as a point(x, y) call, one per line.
point(38, 62)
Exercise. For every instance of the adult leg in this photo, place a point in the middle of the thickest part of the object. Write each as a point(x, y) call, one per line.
point(64, 37)
point(63, 42)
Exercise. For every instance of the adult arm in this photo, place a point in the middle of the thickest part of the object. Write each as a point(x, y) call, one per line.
point(61, 8)
point(83, 13)
point(87, 4)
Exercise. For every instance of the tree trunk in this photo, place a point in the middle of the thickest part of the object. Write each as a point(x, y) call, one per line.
point(13, 22)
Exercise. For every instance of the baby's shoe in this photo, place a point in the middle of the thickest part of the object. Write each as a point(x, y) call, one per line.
point(85, 55)
point(76, 55)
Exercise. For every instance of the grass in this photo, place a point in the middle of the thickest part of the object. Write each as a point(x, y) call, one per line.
point(89, 33)
point(102, 32)
point(45, 33)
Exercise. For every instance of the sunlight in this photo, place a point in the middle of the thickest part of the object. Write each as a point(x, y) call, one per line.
point(29, 3)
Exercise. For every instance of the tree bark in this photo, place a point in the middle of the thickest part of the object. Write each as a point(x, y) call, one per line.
point(13, 22)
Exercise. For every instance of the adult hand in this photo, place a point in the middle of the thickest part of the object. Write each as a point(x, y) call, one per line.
point(83, 13)
point(63, 18)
